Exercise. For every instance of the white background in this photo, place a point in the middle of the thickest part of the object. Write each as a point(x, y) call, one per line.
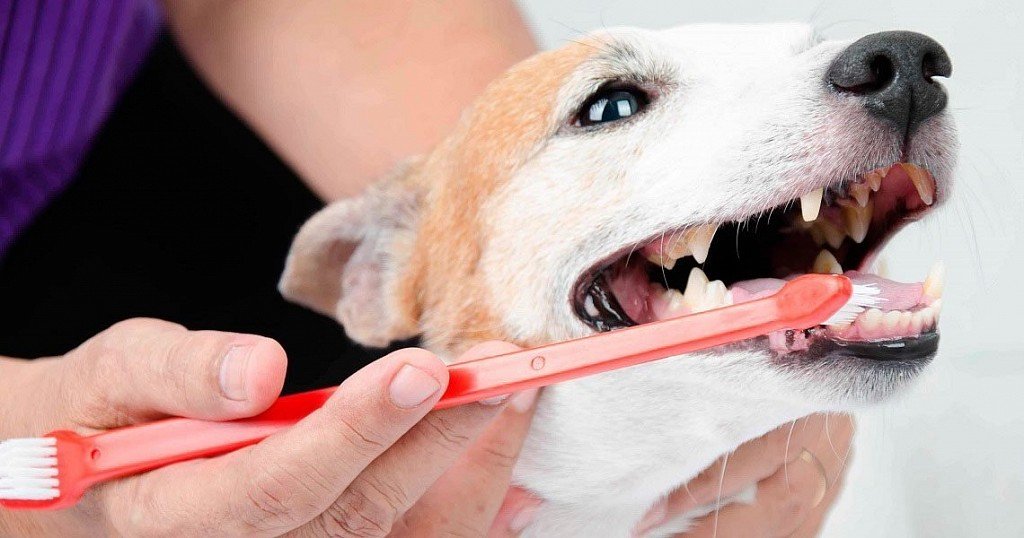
point(948, 459)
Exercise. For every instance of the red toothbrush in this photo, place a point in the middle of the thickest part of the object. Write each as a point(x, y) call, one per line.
point(53, 471)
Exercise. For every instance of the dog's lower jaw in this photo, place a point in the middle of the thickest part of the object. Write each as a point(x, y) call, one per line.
point(604, 449)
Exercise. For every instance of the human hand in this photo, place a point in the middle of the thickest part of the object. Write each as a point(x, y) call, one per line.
point(374, 460)
point(798, 469)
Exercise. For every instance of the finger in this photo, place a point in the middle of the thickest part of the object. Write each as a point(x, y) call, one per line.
point(466, 499)
point(141, 369)
point(752, 462)
point(784, 500)
point(812, 526)
point(293, 476)
point(516, 513)
point(397, 480)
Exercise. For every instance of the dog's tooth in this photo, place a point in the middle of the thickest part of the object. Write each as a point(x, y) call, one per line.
point(678, 247)
point(662, 259)
point(917, 323)
point(891, 321)
point(588, 306)
point(936, 281)
point(860, 192)
point(858, 220)
point(906, 318)
point(929, 317)
point(810, 204)
point(936, 308)
point(871, 320)
point(699, 241)
point(826, 264)
point(696, 284)
point(714, 295)
point(922, 180)
point(673, 300)
point(831, 233)
point(874, 179)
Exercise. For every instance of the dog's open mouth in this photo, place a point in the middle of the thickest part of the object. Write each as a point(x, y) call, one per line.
point(835, 230)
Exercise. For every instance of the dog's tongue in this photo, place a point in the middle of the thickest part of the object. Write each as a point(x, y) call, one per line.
point(896, 295)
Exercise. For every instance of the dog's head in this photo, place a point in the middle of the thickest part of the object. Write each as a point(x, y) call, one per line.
point(637, 175)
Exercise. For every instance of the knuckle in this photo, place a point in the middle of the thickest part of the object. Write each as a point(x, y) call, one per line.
point(360, 437)
point(356, 514)
point(276, 497)
point(495, 458)
point(444, 433)
point(139, 327)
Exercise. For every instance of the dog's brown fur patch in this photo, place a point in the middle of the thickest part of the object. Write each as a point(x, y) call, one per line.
point(505, 127)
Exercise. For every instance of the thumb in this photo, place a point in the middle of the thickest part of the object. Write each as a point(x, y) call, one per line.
point(143, 369)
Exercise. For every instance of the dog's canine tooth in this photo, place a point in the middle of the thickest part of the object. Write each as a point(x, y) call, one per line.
point(698, 240)
point(936, 307)
point(874, 179)
point(922, 181)
point(861, 192)
point(935, 283)
point(830, 233)
point(826, 263)
point(858, 220)
point(696, 285)
point(810, 204)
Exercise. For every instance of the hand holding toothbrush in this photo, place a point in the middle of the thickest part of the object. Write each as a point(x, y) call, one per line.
point(371, 455)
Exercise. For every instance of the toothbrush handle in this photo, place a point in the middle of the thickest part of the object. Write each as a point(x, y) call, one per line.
point(136, 449)
point(804, 302)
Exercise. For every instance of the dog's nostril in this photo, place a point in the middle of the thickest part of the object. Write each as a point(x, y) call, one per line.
point(892, 74)
point(879, 73)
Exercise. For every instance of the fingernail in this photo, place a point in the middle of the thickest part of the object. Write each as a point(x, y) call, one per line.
point(523, 518)
point(523, 401)
point(495, 400)
point(412, 386)
point(654, 517)
point(233, 373)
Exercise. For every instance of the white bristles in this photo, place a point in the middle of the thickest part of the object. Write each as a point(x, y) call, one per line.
point(28, 469)
point(864, 296)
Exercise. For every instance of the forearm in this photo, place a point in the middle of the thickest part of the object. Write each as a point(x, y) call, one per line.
point(344, 89)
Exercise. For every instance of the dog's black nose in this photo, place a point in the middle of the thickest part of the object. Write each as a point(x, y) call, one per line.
point(892, 72)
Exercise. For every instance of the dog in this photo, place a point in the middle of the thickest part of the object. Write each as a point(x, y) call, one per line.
point(636, 175)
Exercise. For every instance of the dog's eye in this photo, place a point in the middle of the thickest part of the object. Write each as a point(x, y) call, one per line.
point(611, 105)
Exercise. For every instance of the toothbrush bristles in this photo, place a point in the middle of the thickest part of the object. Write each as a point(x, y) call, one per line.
point(864, 296)
point(28, 469)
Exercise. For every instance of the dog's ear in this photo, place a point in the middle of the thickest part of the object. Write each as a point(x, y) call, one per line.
point(345, 262)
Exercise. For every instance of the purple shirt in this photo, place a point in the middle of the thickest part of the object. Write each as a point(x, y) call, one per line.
point(63, 64)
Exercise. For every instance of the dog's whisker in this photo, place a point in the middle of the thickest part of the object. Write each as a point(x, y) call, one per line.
point(718, 501)
point(785, 458)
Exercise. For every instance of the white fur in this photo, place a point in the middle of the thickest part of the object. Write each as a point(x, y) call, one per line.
point(744, 124)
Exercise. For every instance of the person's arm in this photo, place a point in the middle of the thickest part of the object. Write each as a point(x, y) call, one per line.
point(344, 89)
